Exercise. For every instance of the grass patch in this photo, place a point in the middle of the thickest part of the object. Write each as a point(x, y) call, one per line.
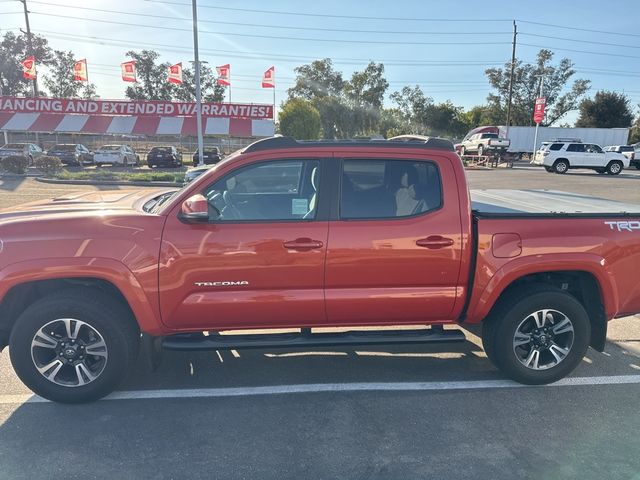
point(104, 176)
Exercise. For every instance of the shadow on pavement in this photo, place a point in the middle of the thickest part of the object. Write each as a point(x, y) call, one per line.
point(11, 183)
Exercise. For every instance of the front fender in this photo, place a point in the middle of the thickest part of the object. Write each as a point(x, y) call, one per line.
point(483, 299)
point(144, 304)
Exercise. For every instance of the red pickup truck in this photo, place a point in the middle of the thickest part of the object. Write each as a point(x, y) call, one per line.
point(288, 234)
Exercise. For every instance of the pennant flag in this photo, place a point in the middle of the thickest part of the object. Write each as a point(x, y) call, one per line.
point(224, 74)
point(129, 71)
point(80, 71)
point(29, 68)
point(175, 73)
point(269, 78)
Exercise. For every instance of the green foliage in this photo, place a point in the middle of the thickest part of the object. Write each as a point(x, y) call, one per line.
point(367, 88)
point(605, 110)
point(526, 88)
point(13, 49)
point(186, 91)
point(15, 164)
point(106, 176)
point(152, 77)
point(317, 80)
point(48, 165)
point(299, 119)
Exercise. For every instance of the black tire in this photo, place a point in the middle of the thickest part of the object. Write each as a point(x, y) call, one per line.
point(512, 311)
point(110, 318)
point(637, 165)
point(601, 170)
point(548, 169)
point(561, 166)
point(615, 167)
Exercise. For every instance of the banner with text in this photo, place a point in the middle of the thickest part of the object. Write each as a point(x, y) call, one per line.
point(138, 107)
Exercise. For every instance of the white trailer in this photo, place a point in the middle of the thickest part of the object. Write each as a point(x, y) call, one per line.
point(522, 138)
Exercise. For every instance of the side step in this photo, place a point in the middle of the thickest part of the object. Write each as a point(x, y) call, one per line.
point(198, 341)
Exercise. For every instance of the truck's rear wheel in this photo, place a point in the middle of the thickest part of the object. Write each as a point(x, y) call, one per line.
point(74, 347)
point(537, 335)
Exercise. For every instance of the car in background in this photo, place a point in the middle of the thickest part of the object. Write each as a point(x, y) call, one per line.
point(559, 157)
point(210, 156)
point(482, 143)
point(194, 173)
point(28, 150)
point(116, 155)
point(628, 151)
point(71, 154)
point(165, 156)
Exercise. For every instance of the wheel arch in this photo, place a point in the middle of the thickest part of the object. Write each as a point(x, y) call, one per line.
point(581, 285)
point(22, 284)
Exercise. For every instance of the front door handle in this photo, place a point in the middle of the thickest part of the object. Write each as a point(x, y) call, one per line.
point(303, 244)
point(434, 241)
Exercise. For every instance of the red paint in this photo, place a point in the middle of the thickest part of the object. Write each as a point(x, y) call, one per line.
point(313, 273)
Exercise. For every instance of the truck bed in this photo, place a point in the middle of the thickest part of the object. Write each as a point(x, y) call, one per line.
point(503, 202)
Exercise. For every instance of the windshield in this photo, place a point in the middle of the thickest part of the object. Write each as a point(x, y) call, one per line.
point(489, 135)
point(161, 150)
point(64, 148)
point(626, 148)
point(108, 148)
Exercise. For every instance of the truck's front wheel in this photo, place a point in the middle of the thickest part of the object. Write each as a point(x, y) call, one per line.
point(538, 334)
point(72, 348)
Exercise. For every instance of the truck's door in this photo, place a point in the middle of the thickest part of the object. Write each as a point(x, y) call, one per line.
point(595, 156)
point(259, 261)
point(395, 250)
point(577, 155)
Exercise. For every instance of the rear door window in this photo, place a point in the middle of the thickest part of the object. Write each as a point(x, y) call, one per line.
point(555, 146)
point(389, 188)
point(576, 147)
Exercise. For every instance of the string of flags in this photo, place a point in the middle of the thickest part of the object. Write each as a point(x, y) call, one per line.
point(128, 72)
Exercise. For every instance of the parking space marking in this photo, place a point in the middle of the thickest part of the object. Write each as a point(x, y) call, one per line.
point(335, 388)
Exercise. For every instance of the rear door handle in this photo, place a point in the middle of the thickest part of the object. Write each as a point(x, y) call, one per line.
point(303, 244)
point(434, 241)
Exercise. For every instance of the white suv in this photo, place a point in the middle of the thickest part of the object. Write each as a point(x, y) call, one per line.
point(559, 157)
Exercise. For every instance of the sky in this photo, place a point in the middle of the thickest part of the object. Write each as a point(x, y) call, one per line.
point(443, 46)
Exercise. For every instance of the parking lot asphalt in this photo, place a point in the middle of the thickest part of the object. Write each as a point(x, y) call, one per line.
point(364, 413)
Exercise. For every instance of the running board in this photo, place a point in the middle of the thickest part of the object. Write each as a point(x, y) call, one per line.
point(198, 341)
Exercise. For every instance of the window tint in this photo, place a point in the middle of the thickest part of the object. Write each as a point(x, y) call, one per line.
point(489, 135)
point(575, 147)
point(556, 146)
point(625, 148)
point(593, 148)
point(388, 188)
point(278, 190)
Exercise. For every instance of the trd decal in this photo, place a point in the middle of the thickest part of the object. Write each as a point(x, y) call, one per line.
point(626, 226)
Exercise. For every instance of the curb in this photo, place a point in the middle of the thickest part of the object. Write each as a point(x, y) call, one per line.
point(108, 182)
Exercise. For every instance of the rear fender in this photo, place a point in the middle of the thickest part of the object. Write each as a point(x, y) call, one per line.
point(482, 301)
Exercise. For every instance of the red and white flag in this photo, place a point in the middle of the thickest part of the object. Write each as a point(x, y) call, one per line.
point(80, 71)
point(29, 68)
point(224, 75)
point(269, 78)
point(129, 71)
point(175, 74)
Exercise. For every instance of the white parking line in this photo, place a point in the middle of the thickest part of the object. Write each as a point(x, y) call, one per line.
point(335, 387)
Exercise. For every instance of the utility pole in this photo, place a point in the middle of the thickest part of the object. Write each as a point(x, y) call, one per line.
point(198, 91)
point(29, 43)
point(513, 66)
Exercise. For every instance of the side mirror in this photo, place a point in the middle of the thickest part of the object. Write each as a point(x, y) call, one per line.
point(195, 209)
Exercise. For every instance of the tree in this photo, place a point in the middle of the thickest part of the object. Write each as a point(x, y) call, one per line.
point(605, 110)
point(299, 119)
point(526, 87)
point(367, 88)
point(13, 50)
point(59, 80)
point(152, 77)
point(211, 91)
point(316, 80)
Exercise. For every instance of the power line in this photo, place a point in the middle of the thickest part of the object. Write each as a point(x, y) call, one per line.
point(262, 25)
point(326, 15)
point(270, 55)
point(579, 41)
point(580, 51)
point(273, 37)
point(624, 34)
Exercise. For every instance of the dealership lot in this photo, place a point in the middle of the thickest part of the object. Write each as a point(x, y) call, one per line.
point(324, 416)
